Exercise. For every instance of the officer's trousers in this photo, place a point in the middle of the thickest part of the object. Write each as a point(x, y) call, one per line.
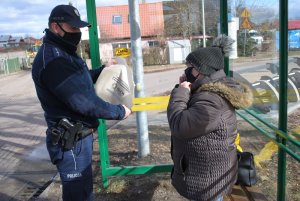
point(75, 169)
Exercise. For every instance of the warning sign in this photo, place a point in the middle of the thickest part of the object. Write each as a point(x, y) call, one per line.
point(245, 13)
point(123, 52)
point(246, 24)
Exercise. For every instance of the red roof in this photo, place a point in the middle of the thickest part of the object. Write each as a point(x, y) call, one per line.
point(151, 20)
point(295, 24)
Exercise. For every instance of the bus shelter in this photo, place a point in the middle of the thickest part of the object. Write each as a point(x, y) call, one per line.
point(272, 71)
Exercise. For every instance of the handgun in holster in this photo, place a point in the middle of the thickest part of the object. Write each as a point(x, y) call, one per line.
point(69, 137)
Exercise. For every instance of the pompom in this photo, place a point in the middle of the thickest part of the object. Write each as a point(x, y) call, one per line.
point(224, 42)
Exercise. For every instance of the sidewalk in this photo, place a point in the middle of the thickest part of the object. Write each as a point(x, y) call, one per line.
point(24, 162)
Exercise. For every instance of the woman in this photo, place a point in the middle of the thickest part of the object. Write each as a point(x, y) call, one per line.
point(202, 119)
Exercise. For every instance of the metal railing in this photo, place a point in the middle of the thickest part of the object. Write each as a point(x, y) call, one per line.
point(8, 66)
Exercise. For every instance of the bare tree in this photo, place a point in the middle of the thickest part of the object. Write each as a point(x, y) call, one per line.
point(177, 16)
point(183, 18)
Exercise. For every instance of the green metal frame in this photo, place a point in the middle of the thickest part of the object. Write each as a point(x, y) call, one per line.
point(106, 169)
point(278, 135)
point(283, 102)
point(224, 28)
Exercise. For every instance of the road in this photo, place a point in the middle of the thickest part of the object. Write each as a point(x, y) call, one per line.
point(24, 163)
point(158, 83)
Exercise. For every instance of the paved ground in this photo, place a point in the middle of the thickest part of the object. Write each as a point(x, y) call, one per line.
point(24, 163)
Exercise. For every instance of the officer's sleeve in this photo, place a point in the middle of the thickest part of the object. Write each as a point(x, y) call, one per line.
point(95, 73)
point(70, 85)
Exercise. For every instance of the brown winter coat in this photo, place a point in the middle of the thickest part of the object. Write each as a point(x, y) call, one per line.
point(203, 126)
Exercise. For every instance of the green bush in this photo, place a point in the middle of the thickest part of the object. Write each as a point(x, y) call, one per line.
point(246, 45)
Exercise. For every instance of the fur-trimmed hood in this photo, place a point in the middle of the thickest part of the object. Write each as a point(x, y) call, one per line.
point(238, 94)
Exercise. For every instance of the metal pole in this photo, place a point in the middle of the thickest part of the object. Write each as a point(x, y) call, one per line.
point(80, 43)
point(203, 25)
point(224, 28)
point(283, 80)
point(93, 33)
point(245, 42)
point(137, 62)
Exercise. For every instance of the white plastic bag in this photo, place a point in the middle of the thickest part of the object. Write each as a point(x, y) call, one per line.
point(115, 85)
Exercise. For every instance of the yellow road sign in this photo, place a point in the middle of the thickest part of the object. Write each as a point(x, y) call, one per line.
point(123, 52)
point(246, 24)
point(245, 13)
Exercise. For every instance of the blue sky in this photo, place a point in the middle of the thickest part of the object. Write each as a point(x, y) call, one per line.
point(30, 17)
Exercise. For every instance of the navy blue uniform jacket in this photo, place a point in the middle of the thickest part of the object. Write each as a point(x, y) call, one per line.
point(64, 85)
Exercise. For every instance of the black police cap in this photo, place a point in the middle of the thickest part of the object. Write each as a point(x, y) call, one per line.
point(68, 14)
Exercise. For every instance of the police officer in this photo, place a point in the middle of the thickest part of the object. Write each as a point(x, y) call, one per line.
point(64, 86)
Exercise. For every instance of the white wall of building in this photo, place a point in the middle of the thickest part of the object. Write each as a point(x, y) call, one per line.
point(233, 27)
point(85, 33)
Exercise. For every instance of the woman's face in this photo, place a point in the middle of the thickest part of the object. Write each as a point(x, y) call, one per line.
point(195, 72)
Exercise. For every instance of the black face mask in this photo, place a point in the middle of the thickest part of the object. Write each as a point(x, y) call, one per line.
point(189, 76)
point(73, 38)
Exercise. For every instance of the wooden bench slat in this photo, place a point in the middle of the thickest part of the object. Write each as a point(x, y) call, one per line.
point(243, 193)
point(255, 193)
point(237, 194)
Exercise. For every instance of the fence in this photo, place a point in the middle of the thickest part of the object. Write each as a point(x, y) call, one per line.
point(8, 66)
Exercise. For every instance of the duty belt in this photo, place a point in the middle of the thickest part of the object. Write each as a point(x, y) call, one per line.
point(67, 134)
point(85, 132)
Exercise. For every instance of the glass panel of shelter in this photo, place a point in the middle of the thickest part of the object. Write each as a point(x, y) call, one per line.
point(170, 30)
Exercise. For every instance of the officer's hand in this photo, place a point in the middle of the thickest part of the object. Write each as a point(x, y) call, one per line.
point(110, 62)
point(127, 111)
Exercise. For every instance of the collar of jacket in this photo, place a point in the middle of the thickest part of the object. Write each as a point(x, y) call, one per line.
point(53, 39)
point(207, 79)
point(238, 94)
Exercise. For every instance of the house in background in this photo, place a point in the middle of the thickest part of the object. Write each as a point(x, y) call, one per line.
point(114, 21)
point(4, 39)
point(293, 35)
point(16, 42)
point(114, 26)
point(159, 23)
point(8, 41)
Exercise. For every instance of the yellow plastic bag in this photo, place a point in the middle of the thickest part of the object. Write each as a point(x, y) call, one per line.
point(237, 143)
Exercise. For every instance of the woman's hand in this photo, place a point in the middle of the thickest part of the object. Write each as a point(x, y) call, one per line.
point(186, 85)
point(182, 78)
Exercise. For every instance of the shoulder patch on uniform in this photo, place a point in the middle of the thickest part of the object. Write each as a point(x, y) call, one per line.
point(57, 52)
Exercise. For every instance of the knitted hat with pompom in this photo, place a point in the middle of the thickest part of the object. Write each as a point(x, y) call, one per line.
point(211, 59)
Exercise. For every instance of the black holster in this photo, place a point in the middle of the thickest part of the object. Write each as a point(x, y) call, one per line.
point(67, 134)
